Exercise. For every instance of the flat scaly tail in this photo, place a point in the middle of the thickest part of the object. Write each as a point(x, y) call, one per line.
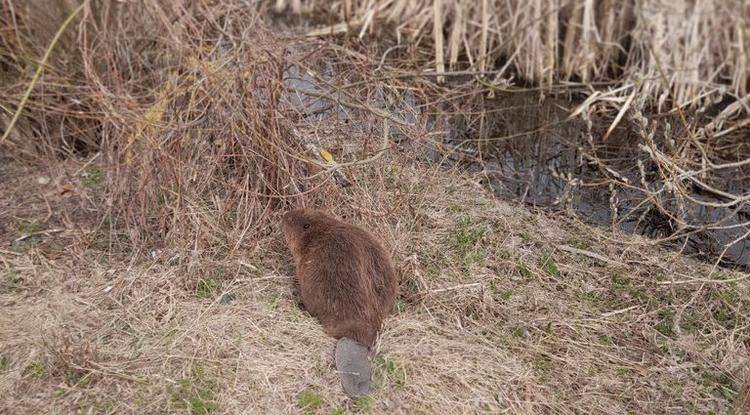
point(353, 366)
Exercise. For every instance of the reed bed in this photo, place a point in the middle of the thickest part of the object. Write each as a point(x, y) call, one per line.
point(676, 53)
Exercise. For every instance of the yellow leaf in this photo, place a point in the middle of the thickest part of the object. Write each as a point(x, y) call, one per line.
point(326, 155)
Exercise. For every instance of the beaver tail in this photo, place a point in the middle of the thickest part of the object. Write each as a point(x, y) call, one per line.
point(355, 338)
point(353, 366)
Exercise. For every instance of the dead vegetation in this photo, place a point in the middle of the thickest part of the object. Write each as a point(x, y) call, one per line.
point(143, 270)
point(500, 310)
point(684, 63)
point(685, 52)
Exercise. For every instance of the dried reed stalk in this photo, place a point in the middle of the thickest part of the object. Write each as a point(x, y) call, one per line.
point(703, 45)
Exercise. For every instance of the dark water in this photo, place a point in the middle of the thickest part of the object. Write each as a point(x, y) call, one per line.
point(560, 165)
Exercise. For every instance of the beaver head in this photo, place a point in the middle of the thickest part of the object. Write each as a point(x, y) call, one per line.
point(300, 225)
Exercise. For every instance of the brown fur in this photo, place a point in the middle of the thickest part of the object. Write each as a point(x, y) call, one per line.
point(345, 275)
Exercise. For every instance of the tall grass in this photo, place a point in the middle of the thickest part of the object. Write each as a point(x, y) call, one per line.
point(178, 101)
point(197, 116)
point(685, 53)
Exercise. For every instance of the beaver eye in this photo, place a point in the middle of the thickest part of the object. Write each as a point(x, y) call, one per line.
point(306, 226)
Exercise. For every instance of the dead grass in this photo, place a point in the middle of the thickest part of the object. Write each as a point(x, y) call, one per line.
point(484, 323)
point(683, 52)
point(142, 271)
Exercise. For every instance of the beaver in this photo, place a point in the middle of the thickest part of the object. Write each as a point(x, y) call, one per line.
point(347, 281)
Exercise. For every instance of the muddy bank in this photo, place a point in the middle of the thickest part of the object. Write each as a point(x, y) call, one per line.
point(528, 149)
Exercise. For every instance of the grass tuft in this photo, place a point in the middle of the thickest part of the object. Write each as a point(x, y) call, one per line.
point(549, 266)
point(468, 241)
point(207, 288)
point(309, 401)
point(196, 393)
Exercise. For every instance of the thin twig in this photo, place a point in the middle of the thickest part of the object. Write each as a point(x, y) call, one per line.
point(590, 255)
point(39, 70)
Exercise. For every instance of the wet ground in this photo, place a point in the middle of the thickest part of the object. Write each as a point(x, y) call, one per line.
point(529, 150)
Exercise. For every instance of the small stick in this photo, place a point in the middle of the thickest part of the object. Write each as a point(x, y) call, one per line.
point(29, 235)
point(624, 310)
point(590, 255)
point(437, 21)
point(456, 287)
point(703, 281)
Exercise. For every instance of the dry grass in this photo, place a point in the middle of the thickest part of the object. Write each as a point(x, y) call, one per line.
point(142, 270)
point(684, 52)
point(500, 310)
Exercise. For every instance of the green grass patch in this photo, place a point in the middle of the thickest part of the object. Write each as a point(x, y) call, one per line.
point(728, 305)
point(455, 209)
point(196, 393)
point(518, 332)
point(365, 405)
point(391, 370)
point(74, 377)
point(591, 297)
point(499, 293)
point(276, 301)
point(624, 372)
point(207, 288)
point(721, 383)
point(620, 283)
point(12, 280)
point(525, 237)
point(549, 266)
point(666, 322)
point(692, 322)
point(523, 269)
point(92, 178)
point(543, 366)
point(606, 340)
point(309, 401)
point(399, 306)
point(28, 236)
point(579, 243)
point(467, 240)
point(36, 369)
point(623, 287)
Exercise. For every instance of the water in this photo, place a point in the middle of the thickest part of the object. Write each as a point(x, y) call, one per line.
point(530, 151)
point(613, 183)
